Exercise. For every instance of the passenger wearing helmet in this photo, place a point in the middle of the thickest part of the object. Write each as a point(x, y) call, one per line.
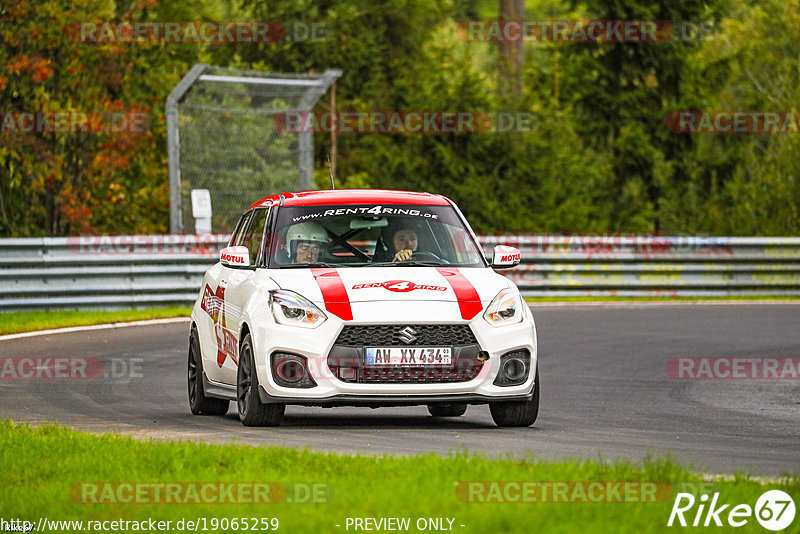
point(305, 241)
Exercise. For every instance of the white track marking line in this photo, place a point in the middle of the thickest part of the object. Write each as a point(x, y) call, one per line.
point(92, 327)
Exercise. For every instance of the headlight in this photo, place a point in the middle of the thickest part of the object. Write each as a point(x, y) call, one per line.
point(505, 309)
point(292, 309)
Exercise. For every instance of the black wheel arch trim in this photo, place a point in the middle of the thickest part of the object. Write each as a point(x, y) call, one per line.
point(220, 391)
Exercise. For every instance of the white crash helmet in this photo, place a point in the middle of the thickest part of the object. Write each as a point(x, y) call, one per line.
point(305, 231)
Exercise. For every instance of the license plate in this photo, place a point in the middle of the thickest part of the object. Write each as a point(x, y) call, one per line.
point(409, 356)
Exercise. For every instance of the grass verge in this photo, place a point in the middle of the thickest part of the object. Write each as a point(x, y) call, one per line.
point(50, 472)
point(12, 323)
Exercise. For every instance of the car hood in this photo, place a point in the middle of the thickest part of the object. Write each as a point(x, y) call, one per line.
point(341, 290)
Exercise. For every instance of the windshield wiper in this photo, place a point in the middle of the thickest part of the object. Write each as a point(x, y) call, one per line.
point(313, 264)
point(407, 263)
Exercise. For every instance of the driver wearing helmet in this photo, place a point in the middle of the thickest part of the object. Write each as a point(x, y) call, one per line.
point(304, 242)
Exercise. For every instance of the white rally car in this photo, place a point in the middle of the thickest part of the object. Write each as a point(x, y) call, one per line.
point(361, 298)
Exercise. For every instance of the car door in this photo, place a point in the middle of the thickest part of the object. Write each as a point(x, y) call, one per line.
point(212, 320)
point(235, 290)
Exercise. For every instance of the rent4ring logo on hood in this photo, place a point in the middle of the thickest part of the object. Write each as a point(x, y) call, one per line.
point(774, 510)
point(400, 286)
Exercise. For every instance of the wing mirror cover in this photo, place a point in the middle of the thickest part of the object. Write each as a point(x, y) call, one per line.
point(238, 256)
point(505, 257)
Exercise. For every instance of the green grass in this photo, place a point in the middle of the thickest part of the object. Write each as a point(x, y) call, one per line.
point(654, 298)
point(11, 323)
point(42, 471)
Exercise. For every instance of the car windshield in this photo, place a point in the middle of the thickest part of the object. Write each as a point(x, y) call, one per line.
point(371, 236)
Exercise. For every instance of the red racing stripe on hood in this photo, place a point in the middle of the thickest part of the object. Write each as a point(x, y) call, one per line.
point(468, 300)
point(333, 293)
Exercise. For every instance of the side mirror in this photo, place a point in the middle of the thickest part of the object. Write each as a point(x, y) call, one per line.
point(505, 257)
point(235, 256)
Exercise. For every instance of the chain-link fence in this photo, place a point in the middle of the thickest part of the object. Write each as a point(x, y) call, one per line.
point(223, 136)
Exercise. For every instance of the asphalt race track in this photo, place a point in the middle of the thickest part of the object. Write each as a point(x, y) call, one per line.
point(606, 393)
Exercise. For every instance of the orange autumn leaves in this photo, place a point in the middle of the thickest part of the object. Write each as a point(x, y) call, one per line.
point(82, 134)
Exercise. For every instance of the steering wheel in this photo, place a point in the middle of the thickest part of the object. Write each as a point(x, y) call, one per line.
point(424, 254)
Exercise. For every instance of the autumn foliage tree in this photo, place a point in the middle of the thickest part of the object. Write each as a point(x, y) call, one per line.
point(106, 173)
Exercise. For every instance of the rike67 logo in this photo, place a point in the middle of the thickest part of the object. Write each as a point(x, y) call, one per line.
point(774, 510)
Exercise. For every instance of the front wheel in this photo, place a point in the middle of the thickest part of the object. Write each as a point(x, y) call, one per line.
point(198, 402)
point(517, 413)
point(447, 410)
point(252, 412)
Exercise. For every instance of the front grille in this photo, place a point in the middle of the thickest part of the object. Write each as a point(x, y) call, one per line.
point(387, 335)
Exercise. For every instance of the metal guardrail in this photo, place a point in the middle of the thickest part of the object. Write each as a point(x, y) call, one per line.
point(106, 272)
point(145, 271)
point(641, 265)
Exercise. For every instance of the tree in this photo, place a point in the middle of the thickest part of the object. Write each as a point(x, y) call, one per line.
point(103, 179)
point(511, 53)
point(629, 89)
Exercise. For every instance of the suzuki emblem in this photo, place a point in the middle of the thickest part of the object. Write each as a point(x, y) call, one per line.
point(407, 335)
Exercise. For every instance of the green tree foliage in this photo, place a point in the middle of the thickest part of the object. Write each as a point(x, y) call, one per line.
point(599, 155)
point(746, 184)
point(413, 56)
point(626, 93)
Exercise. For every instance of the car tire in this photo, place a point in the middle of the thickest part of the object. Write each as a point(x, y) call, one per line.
point(517, 413)
point(447, 409)
point(199, 404)
point(252, 412)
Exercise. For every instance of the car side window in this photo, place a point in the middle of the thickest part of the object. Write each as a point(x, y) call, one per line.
point(458, 245)
point(251, 233)
point(240, 227)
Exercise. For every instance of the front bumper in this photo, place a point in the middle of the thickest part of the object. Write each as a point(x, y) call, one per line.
point(316, 346)
point(375, 401)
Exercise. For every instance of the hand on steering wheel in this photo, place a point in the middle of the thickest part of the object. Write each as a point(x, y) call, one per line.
point(403, 255)
point(408, 254)
point(424, 254)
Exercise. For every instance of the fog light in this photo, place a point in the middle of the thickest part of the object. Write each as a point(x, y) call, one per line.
point(291, 371)
point(514, 368)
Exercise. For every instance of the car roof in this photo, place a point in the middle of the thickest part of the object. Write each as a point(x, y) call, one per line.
point(336, 197)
